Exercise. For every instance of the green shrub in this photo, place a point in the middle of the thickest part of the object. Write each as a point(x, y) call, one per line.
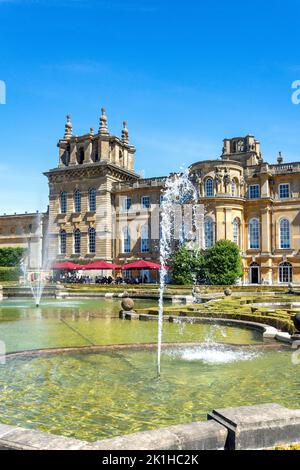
point(223, 263)
point(187, 266)
point(9, 274)
point(11, 257)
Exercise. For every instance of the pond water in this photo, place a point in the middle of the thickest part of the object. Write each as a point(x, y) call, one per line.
point(93, 396)
point(61, 324)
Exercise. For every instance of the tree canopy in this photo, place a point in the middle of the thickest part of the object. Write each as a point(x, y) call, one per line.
point(10, 256)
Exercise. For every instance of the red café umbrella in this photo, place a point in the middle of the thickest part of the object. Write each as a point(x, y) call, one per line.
point(67, 265)
point(142, 264)
point(101, 265)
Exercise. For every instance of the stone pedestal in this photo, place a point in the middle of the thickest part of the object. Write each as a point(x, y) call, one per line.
point(258, 427)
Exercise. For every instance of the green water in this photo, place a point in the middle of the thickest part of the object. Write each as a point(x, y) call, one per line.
point(22, 326)
point(94, 396)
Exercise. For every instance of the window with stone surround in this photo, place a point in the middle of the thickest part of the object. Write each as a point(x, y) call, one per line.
point(145, 246)
point(254, 234)
point(77, 201)
point(236, 231)
point(284, 234)
point(92, 200)
point(145, 202)
point(209, 187)
point(126, 240)
point(254, 191)
point(285, 272)
point(77, 241)
point(92, 240)
point(284, 190)
point(62, 242)
point(63, 203)
point(127, 202)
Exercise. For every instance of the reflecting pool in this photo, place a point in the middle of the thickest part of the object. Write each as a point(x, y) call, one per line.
point(82, 322)
point(94, 396)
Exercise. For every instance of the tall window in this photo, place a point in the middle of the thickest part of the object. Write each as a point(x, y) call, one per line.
point(233, 188)
point(209, 232)
point(127, 203)
point(92, 200)
point(92, 240)
point(77, 241)
point(285, 272)
point(145, 203)
point(236, 231)
point(284, 234)
point(284, 191)
point(254, 235)
point(254, 191)
point(145, 238)
point(77, 201)
point(126, 240)
point(63, 203)
point(209, 187)
point(63, 242)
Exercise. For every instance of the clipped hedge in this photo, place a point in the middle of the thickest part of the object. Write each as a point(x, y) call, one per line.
point(9, 274)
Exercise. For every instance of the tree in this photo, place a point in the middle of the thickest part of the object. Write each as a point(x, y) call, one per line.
point(187, 265)
point(11, 257)
point(223, 263)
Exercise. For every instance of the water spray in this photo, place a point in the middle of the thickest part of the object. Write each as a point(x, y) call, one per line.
point(179, 190)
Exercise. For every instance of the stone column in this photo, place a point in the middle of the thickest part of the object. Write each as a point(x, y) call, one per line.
point(1, 292)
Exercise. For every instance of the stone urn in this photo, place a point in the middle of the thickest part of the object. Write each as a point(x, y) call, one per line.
point(227, 291)
point(127, 304)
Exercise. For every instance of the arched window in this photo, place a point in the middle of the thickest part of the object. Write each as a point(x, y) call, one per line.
point(209, 187)
point(145, 238)
point(254, 235)
point(63, 203)
point(209, 232)
point(92, 200)
point(92, 240)
point(285, 272)
point(126, 240)
point(284, 233)
point(77, 201)
point(62, 242)
point(234, 188)
point(77, 241)
point(236, 231)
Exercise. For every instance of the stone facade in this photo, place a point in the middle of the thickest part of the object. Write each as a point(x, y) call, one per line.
point(25, 231)
point(101, 209)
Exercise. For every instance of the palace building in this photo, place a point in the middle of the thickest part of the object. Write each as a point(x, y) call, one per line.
point(100, 208)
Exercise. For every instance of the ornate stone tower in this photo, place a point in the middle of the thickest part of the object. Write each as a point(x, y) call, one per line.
point(245, 150)
point(81, 205)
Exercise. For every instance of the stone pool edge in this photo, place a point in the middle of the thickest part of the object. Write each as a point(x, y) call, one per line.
point(243, 428)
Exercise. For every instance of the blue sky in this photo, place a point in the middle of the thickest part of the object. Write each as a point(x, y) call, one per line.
point(183, 74)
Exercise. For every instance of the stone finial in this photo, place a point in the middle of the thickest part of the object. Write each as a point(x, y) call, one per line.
point(279, 158)
point(68, 128)
point(125, 134)
point(91, 130)
point(103, 129)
